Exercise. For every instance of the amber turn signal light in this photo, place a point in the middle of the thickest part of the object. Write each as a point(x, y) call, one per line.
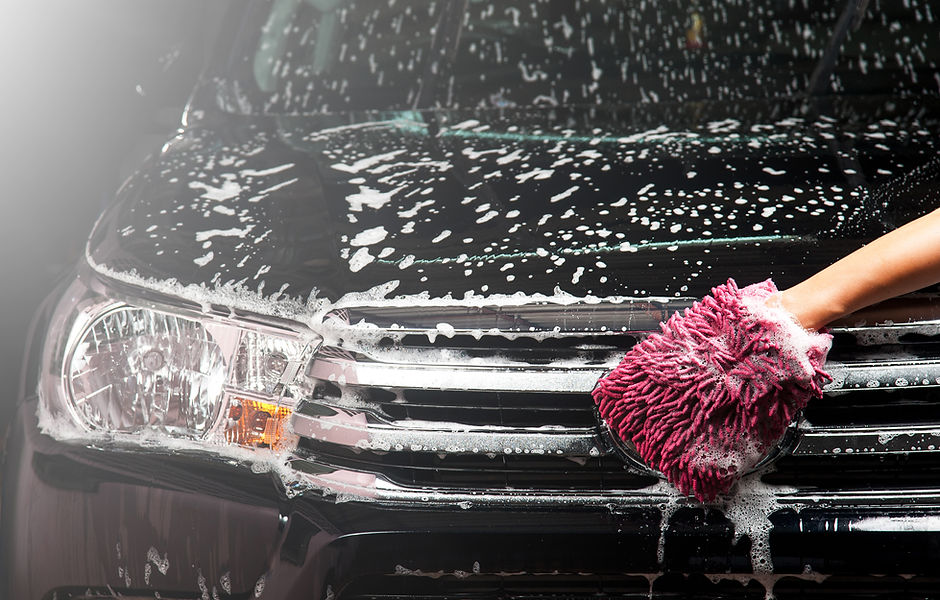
point(257, 424)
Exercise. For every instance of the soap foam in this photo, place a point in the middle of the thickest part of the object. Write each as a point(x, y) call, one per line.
point(749, 510)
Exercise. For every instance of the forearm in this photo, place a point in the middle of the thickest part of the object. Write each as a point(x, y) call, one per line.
point(901, 261)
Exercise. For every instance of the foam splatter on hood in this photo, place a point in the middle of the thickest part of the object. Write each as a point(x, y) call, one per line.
point(660, 200)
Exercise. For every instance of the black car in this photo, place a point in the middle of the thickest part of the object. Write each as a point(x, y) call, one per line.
point(337, 338)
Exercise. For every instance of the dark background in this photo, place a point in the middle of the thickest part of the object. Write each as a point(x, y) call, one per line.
point(73, 124)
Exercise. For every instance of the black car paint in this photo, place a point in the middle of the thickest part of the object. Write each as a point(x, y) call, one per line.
point(706, 156)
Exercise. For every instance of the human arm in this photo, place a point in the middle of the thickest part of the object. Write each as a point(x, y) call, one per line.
point(898, 262)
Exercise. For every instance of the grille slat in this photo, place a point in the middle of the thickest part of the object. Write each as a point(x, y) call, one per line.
point(476, 472)
point(505, 409)
point(865, 409)
point(856, 472)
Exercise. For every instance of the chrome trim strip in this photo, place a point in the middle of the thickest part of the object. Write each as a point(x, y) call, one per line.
point(463, 374)
point(367, 487)
point(462, 377)
point(359, 429)
point(888, 332)
point(883, 374)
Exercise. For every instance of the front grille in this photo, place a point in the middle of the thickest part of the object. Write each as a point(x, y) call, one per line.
point(497, 400)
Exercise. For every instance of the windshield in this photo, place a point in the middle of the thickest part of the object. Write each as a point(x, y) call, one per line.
point(310, 56)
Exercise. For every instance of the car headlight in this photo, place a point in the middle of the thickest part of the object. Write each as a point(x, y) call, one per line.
point(124, 366)
point(136, 368)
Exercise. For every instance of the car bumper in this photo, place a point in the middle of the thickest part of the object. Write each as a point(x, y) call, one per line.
point(85, 522)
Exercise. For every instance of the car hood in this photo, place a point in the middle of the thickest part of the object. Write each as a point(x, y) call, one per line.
point(648, 200)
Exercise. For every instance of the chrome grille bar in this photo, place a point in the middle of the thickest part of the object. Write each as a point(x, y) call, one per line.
point(346, 485)
point(888, 373)
point(363, 429)
point(461, 376)
point(469, 374)
point(829, 441)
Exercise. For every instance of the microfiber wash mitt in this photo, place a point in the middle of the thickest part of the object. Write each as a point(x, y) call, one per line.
point(704, 400)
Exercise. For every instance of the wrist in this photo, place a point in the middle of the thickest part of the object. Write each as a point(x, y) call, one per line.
point(811, 310)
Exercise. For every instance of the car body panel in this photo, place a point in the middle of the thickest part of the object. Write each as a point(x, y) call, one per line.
point(641, 201)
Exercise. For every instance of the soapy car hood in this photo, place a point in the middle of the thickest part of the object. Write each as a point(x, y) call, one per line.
point(645, 200)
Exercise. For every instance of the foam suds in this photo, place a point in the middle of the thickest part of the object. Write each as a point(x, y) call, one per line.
point(887, 334)
point(259, 460)
point(767, 580)
point(740, 457)
point(161, 563)
point(314, 311)
point(240, 297)
point(749, 510)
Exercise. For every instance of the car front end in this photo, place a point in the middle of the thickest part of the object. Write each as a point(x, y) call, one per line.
point(349, 353)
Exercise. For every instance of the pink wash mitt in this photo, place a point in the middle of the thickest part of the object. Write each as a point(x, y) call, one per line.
point(704, 400)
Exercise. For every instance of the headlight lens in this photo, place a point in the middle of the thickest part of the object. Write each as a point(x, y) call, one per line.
point(135, 369)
